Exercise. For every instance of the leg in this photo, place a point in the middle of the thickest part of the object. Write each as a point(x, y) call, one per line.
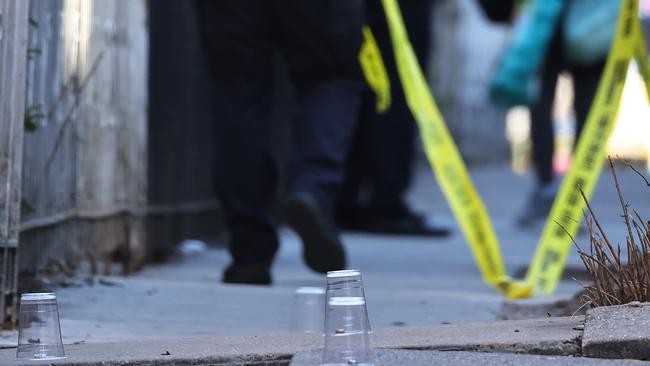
point(349, 204)
point(240, 54)
point(321, 41)
point(382, 151)
point(321, 138)
point(541, 129)
point(585, 80)
point(543, 139)
point(393, 133)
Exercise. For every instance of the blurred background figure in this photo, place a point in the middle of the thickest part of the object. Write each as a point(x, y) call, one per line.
point(500, 11)
point(380, 164)
point(320, 40)
point(551, 38)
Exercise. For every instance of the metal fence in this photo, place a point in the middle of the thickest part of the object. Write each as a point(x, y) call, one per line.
point(13, 53)
point(102, 173)
point(84, 168)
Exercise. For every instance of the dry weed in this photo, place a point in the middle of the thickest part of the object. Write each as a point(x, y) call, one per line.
point(617, 279)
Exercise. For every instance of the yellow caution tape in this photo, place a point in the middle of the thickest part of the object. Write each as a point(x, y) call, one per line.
point(447, 162)
point(374, 70)
point(567, 211)
point(641, 57)
point(451, 173)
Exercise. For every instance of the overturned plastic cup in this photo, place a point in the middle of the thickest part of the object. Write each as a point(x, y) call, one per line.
point(308, 310)
point(39, 337)
point(347, 327)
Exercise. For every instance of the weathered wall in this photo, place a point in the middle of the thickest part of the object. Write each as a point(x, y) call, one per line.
point(13, 55)
point(84, 177)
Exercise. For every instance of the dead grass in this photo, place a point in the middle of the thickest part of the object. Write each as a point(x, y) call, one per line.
point(617, 280)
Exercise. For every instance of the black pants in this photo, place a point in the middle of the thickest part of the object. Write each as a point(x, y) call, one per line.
point(382, 154)
point(320, 39)
point(585, 81)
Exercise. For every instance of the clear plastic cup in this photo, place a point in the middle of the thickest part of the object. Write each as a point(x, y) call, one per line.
point(308, 310)
point(39, 337)
point(347, 327)
point(346, 283)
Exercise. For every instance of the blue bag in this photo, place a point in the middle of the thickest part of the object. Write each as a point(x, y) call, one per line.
point(514, 81)
point(589, 29)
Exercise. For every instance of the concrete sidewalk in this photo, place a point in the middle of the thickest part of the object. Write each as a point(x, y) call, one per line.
point(552, 341)
point(421, 358)
point(555, 336)
point(409, 281)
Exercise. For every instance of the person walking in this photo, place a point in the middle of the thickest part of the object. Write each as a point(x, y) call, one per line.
point(320, 40)
point(380, 165)
point(557, 36)
point(542, 134)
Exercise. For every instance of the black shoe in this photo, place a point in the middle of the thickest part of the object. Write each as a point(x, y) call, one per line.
point(322, 248)
point(398, 219)
point(247, 274)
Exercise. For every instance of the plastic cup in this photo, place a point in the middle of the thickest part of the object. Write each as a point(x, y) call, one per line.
point(347, 328)
point(308, 310)
point(39, 337)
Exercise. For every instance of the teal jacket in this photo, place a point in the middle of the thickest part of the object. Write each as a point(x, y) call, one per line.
point(513, 83)
point(588, 33)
